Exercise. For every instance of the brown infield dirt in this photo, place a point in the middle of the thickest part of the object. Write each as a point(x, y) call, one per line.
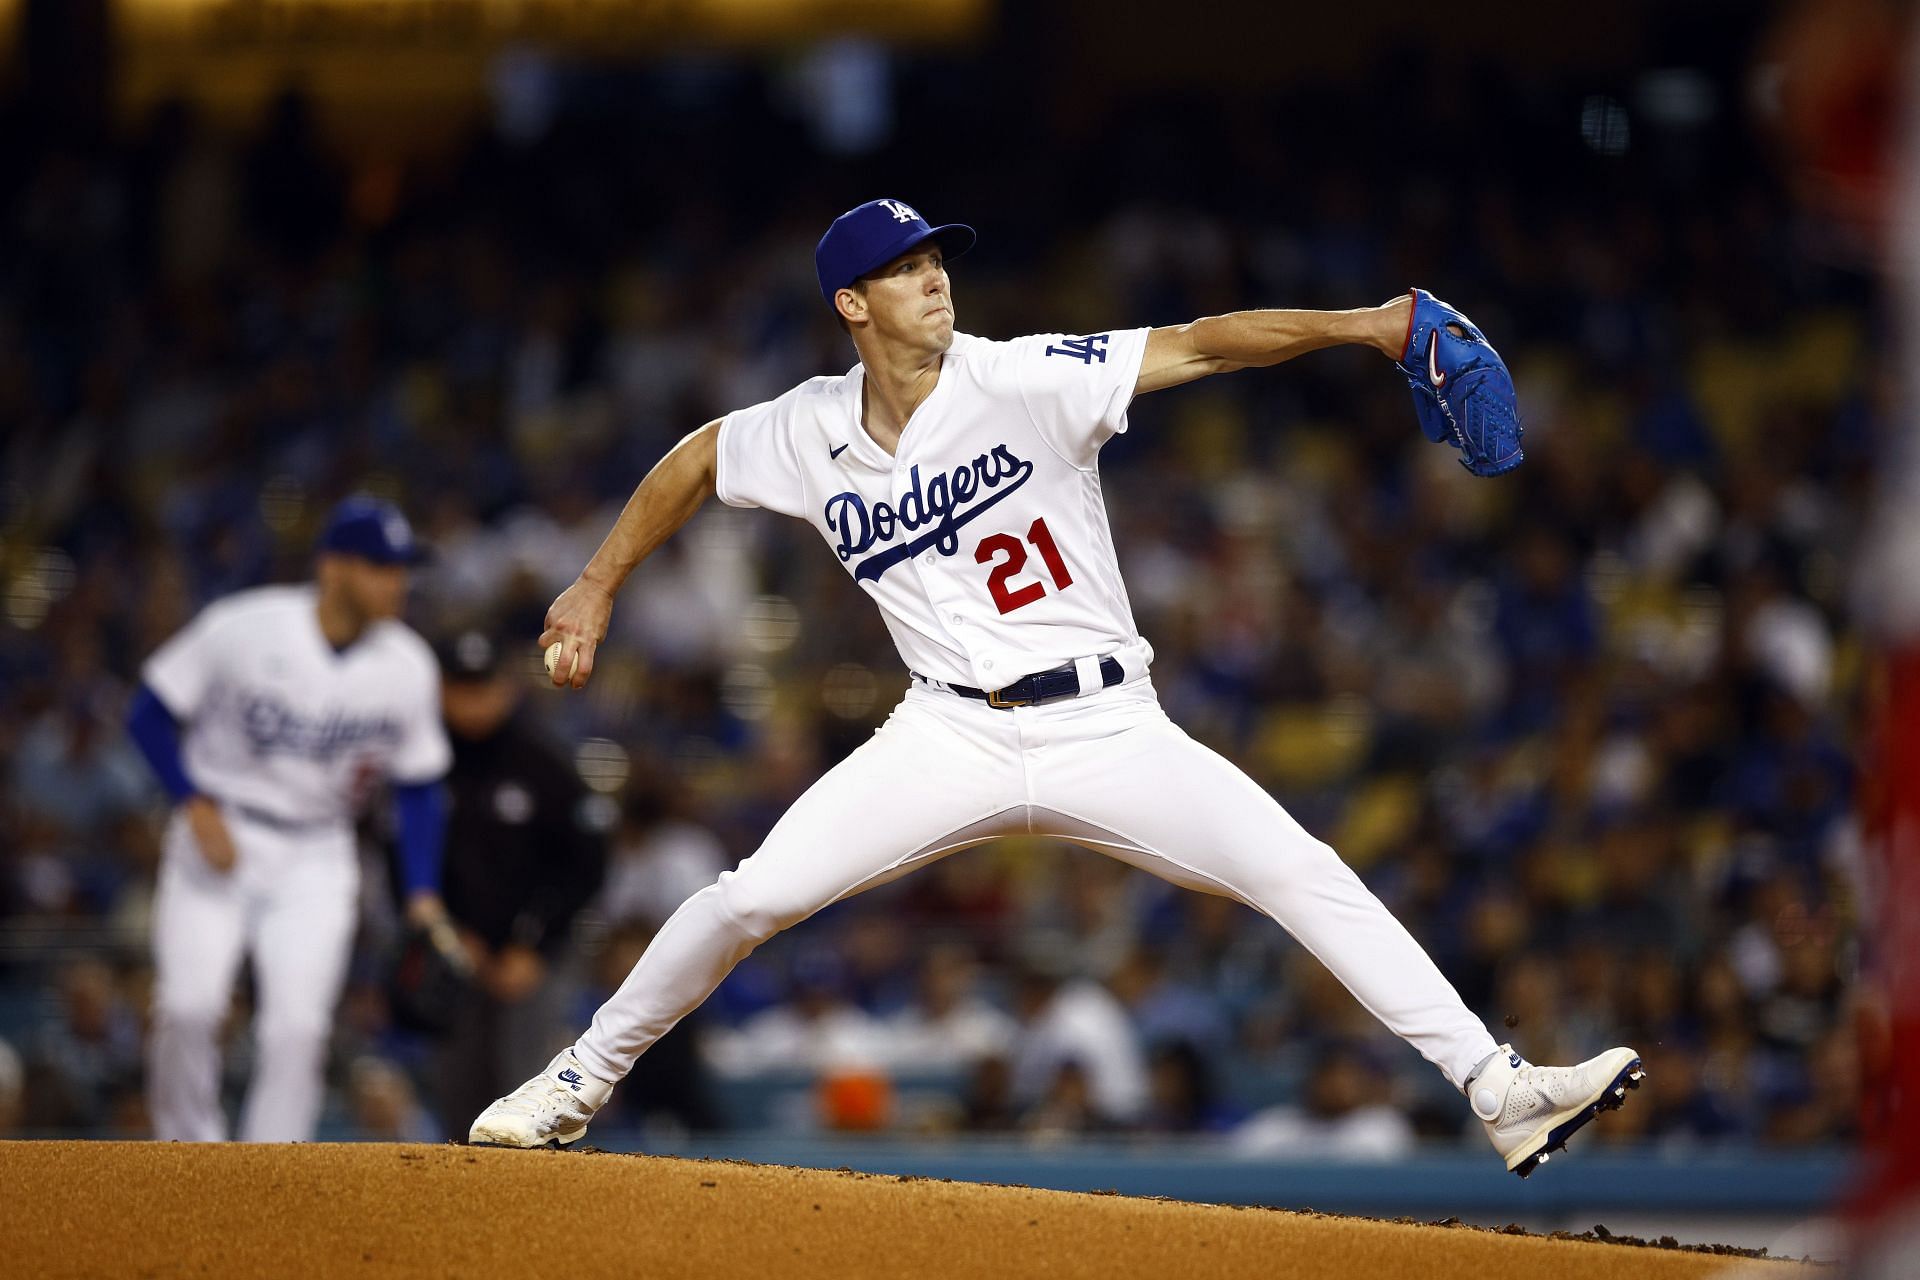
point(176, 1209)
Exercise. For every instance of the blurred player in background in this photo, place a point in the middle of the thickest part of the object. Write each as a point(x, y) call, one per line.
point(957, 480)
point(270, 720)
point(525, 855)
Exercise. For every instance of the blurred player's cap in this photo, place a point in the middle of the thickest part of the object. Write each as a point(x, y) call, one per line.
point(873, 234)
point(468, 655)
point(373, 530)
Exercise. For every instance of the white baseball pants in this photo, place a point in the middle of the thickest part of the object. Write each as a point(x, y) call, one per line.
point(1108, 771)
point(290, 902)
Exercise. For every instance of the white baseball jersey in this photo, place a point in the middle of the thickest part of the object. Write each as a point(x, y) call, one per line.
point(275, 720)
point(984, 540)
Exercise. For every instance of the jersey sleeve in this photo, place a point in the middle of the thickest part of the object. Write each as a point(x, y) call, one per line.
point(181, 670)
point(758, 462)
point(1077, 389)
point(424, 754)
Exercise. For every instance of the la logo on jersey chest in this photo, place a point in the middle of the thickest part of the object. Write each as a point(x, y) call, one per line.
point(928, 515)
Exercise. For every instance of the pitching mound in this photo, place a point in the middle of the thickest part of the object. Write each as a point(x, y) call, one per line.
point(154, 1209)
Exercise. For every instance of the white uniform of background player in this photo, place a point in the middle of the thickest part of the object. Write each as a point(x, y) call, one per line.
point(982, 537)
point(286, 736)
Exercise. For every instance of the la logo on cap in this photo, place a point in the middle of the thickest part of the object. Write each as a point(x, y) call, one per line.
point(900, 212)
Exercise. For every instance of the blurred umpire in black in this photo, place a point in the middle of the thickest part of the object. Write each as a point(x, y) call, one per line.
point(524, 855)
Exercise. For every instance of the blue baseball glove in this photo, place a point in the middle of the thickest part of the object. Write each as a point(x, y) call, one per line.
point(1462, 392)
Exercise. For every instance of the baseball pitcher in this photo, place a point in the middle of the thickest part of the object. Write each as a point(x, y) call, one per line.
point(957, 481)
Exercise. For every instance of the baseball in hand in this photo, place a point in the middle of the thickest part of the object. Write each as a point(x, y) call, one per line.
point(553, 658)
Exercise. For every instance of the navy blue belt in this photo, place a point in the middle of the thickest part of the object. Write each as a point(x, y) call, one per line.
point(289, 826)
point(1041, 686)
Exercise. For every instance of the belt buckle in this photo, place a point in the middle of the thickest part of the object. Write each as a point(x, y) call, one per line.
point(994, 700)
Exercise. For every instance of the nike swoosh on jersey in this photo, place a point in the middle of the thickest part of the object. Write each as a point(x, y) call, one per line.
point(834, 453)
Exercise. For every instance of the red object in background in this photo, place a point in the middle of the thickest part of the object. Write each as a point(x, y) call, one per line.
point(1839, 99)
point(1890, 1027)
point(856, 1100)
point(1843, 94)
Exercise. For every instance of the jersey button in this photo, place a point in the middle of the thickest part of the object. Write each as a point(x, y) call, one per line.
point(957, 619)
point(987, 663)
point(928, 558)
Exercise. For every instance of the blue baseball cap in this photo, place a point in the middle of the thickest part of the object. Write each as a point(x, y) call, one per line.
point(373, 530)
point(871, 235)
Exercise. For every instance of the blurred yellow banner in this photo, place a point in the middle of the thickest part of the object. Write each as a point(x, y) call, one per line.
point(393, 72)
point(635, 22)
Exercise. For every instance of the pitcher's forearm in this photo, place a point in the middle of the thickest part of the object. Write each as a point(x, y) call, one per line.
point(1255, 339)
point(665, 500)
point(1182, 353)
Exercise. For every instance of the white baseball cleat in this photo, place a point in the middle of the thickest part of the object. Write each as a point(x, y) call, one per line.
point(1529, 1111)
point(550, 1110)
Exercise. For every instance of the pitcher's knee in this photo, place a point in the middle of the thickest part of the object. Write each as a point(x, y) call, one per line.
point(1300, 878)
point(1326, 859)
point(760, 906)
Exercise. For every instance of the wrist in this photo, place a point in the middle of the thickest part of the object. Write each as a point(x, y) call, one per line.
point(1389, 326)
point(602, 579)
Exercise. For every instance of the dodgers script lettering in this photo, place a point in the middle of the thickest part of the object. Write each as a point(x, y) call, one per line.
point(939, 506)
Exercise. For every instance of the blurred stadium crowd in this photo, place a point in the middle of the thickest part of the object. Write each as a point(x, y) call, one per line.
point(1587, 730)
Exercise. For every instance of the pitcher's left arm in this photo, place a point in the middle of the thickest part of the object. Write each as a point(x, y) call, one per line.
point(1255, 339)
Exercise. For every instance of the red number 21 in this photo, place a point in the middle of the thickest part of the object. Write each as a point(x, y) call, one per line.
point(1016, 560)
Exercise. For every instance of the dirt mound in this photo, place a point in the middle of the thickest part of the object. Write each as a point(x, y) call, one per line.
point(172, 1209)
